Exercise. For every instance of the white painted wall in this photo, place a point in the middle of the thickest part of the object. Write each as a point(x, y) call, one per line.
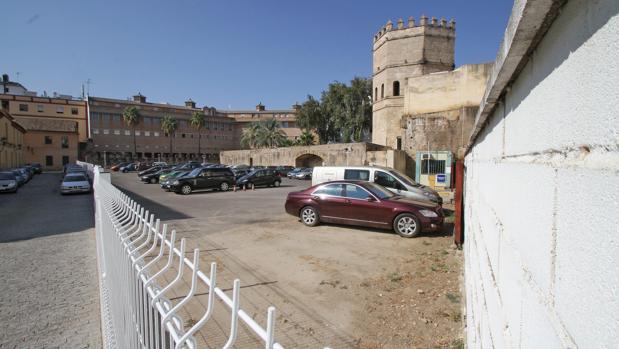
point(542, 195)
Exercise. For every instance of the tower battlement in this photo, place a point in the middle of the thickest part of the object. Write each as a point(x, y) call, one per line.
point(423, 22)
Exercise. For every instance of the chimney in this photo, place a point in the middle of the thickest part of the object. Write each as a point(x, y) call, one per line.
point(190, 104)
point(260, 107)
point(5, 77)
point(139, 98)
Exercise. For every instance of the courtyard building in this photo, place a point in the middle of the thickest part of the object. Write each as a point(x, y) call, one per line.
point(11, 141)
point(51, 143)
point(285, 117)
point(112, 138)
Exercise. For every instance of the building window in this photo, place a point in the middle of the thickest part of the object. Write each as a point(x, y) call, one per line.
point(396, 88)
point(64, 142)
point(73, 111)
point(117, 132)
point(399, 143)
point(375, 93)
point(23, 107)
point(116, 118)
point(156, 134)
point(48, 139)
point(137, 133)
point(49, 160)
point(382, 91)
point(106, 132)
point(127, 133)
point(59, 110)
point(147, 133)
point(40, 108)
point(183, 135)
point(95, 131)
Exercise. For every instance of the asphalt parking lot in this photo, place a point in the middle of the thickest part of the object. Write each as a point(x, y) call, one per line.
point(337, 286)
point(49, 294)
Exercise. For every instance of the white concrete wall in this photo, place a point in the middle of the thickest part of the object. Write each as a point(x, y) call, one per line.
point(542, 195)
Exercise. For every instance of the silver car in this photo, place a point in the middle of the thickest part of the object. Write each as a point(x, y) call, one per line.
point(8, 182)
point(75, 183)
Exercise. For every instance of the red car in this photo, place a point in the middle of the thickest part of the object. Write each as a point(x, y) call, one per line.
point(366, 204)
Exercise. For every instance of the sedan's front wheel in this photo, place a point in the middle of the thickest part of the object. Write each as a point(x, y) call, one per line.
point(407, 225)
point(224, 186)
point(186, 189)
point(153, 180)
point(277, 184)
point(309, 216)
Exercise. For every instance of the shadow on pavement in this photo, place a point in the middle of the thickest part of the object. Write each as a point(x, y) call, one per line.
point(160, 211)
point(38, 210)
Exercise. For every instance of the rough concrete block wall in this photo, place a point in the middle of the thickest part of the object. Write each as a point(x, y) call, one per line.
point(541, 195)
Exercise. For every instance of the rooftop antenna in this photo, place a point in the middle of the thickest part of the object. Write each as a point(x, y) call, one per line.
point(17, 76)
point(88, 81)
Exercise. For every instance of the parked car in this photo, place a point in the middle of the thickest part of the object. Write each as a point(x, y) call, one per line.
point(366, 204)
point(19, 176)
point(283, 171)
point(260, 178)
point(293, 172)
point(172, 173)
point(129, 168)
point(305, 173)
point(26, 173)
point(160, 163)
point(37, 168)
point(203, 178)
point(149, 170)
point(8, 182)
point(75, 183)
point(118, 166)
point(171, 177)
point(396, 181)
point(153, 177)
point(238, 173)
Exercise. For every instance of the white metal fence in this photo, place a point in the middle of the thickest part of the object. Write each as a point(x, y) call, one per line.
point(134, 251)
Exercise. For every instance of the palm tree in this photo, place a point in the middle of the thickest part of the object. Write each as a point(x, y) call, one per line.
point(197, 121)
point(131, 117)
point(249, 137)
point(271, 134)
point(168, 126)
point(305, 138)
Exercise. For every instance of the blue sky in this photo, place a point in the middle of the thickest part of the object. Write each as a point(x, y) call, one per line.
point(227, 54)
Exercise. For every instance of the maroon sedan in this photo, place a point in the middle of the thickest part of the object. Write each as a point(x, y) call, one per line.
point(364, 203)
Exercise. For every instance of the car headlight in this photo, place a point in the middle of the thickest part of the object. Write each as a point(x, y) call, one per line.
point(12, 184)
point(175, 183)
point(428, 213)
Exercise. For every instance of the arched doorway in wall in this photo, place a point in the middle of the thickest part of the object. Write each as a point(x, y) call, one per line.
point(308, 160)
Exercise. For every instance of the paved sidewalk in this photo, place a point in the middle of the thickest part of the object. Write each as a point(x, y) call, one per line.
point(49, 295)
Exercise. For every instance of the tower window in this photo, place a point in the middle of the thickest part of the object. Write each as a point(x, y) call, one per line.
point(375, 93)
point(382, 91)
point(396, 88)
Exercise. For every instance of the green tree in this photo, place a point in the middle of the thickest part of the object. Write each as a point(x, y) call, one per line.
point(270, 134)
point(169, 126)
point(305, 138)
point(198, 121)
point(311, 116)
point(358, 108)
point(249, 135)
point(131, 118)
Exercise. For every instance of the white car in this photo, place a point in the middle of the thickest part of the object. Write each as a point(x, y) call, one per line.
point(8, 182)
point(74, 183)
point(395, 181)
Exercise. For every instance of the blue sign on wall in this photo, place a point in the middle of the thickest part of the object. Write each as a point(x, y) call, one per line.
point(440, 178)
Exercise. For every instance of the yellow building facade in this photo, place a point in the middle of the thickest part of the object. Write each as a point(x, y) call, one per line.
point(11, 141)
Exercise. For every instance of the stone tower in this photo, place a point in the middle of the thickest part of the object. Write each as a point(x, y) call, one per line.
point(400, 52)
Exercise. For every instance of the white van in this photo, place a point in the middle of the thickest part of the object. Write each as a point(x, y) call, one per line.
point(389, 178)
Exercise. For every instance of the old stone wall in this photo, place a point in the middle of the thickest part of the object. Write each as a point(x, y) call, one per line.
point(346, 154)
point(542, 186)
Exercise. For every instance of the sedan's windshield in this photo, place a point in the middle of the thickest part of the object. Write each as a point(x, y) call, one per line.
point(379, 191)
point(7, 176)
point(195, 172)
point(404, 178)
point(75, 179)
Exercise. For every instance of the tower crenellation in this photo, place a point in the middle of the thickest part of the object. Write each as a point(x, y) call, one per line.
point(423, 22)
